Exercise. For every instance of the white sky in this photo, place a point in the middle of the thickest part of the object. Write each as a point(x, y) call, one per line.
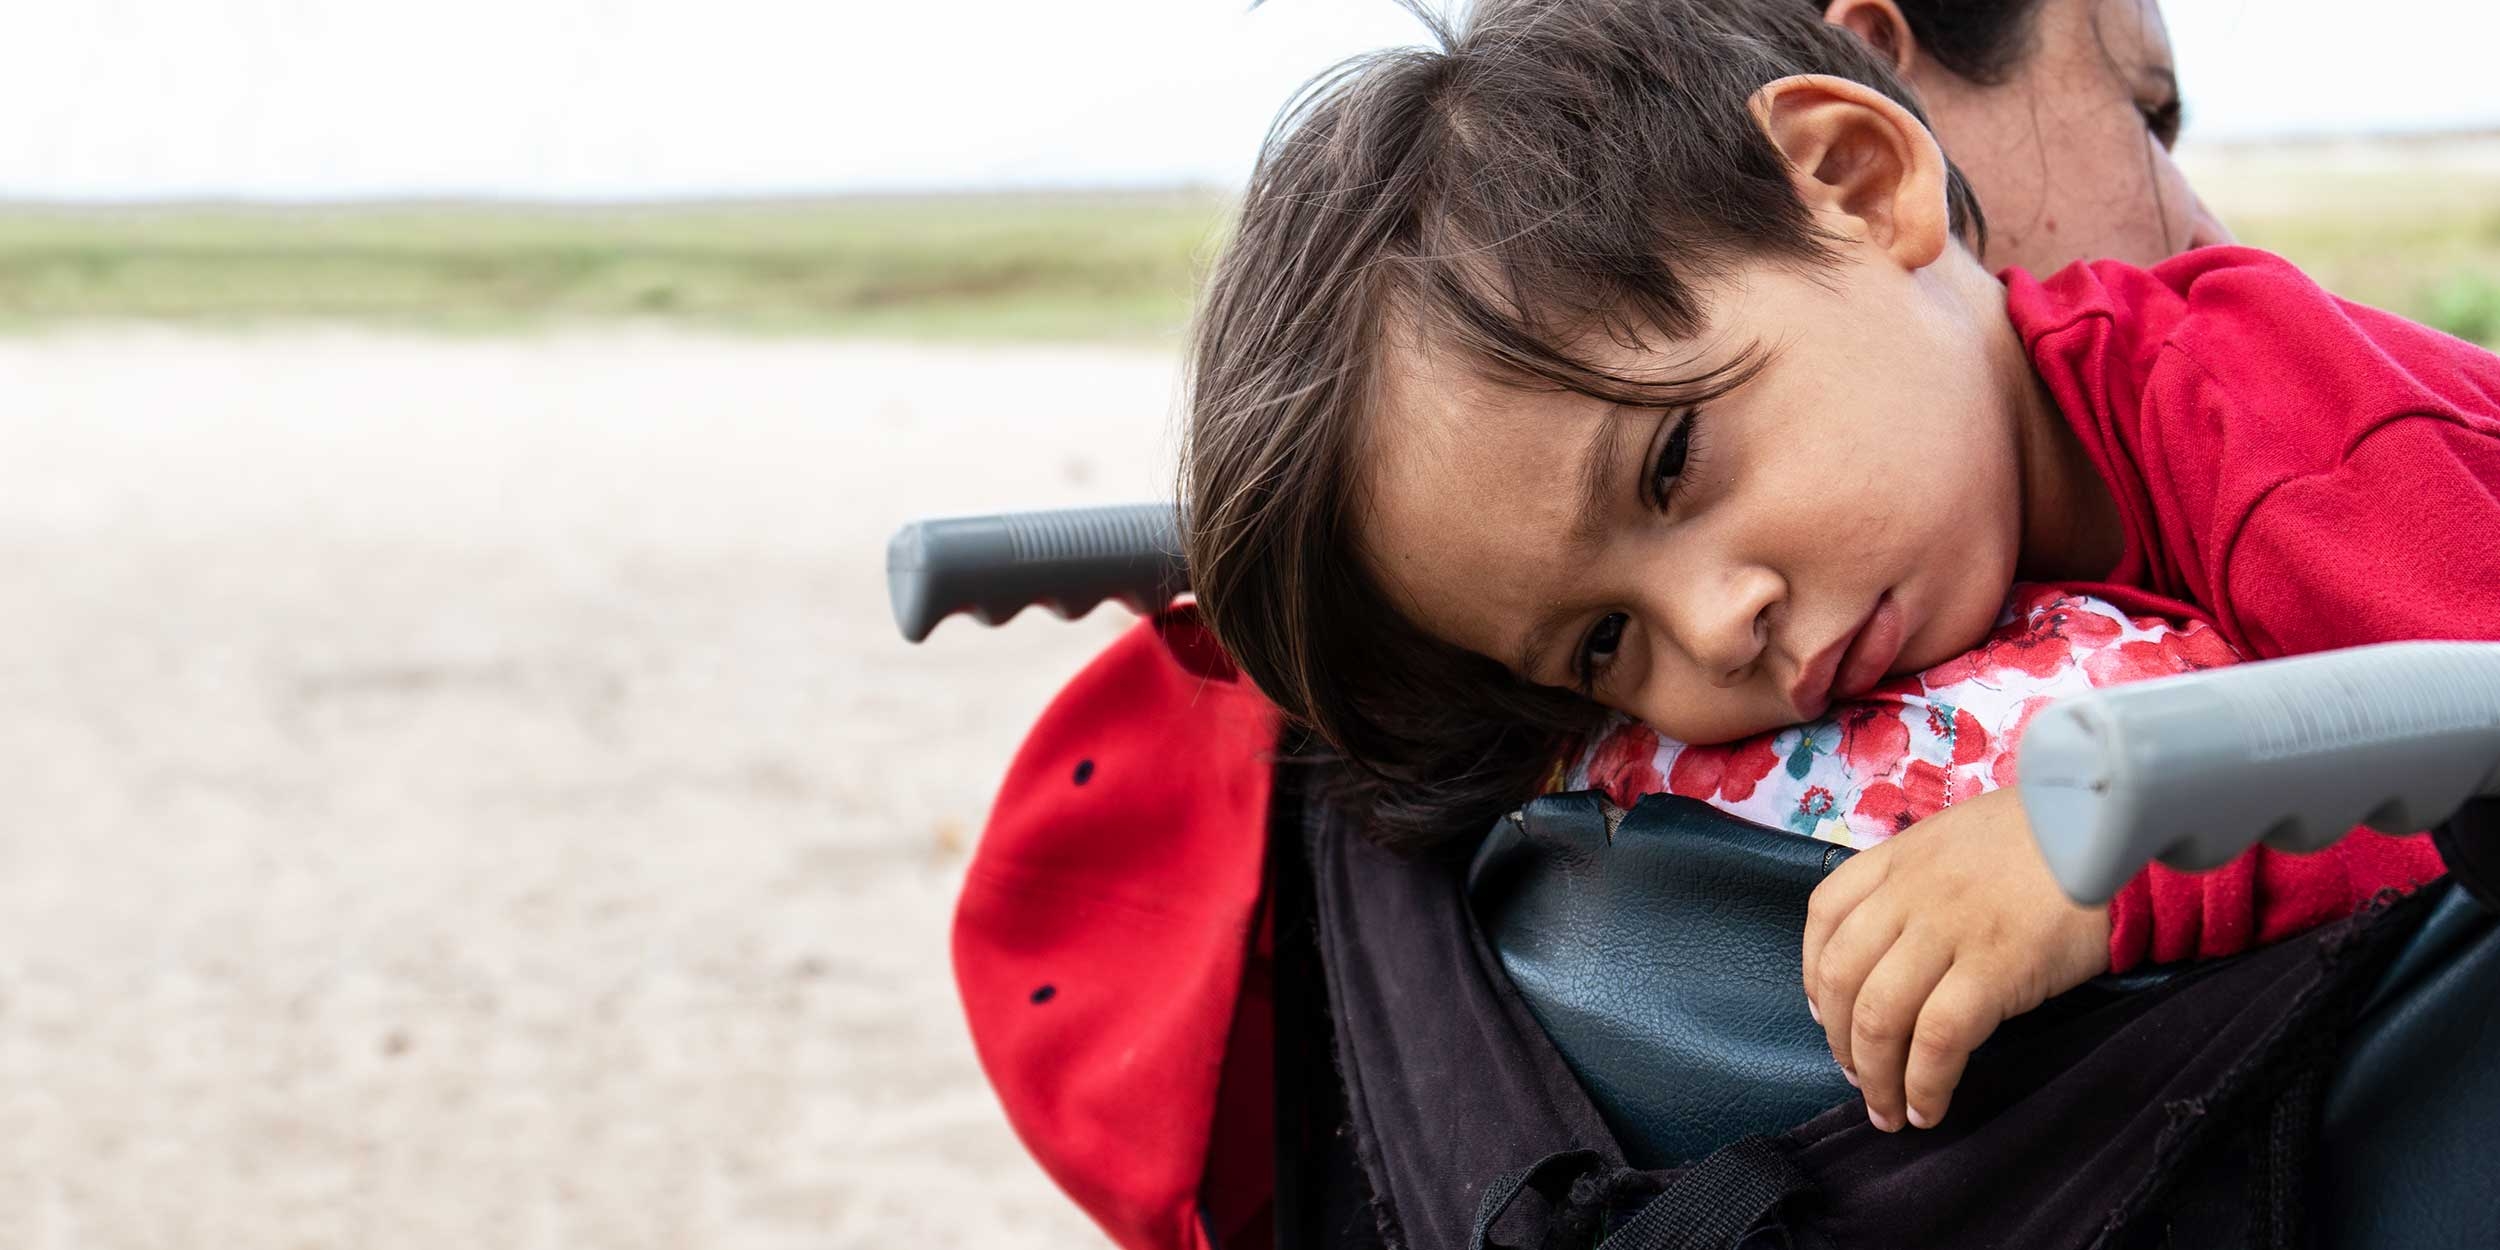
point(593, 98)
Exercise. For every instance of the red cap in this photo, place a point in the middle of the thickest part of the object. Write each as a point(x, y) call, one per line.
point(1108, 923)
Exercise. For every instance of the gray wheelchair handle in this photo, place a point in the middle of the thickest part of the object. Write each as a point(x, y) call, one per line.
point(1070, 561)
point(2192, 770)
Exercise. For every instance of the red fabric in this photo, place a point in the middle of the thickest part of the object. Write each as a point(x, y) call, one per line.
point(1240, 1190)
point(2310, 474)
point(1105, 941)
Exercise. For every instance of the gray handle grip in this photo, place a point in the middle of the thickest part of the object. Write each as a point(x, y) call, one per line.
point(996, 566)
point(2192, 770)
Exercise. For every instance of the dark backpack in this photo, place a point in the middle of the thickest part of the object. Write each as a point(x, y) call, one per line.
point(1595, 1038)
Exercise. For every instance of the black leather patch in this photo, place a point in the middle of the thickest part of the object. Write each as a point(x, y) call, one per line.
point(1661, 953)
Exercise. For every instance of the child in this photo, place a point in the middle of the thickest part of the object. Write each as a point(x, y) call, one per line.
point(1608, 357)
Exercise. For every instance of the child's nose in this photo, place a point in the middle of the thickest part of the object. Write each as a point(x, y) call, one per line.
point(1732, 628)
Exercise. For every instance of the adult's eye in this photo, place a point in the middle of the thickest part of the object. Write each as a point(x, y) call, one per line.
point(2165, 120)
point(1600, 646)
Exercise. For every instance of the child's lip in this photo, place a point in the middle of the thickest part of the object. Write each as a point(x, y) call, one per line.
point(1813, 689)
point(1838, 669)
point(1877, 645)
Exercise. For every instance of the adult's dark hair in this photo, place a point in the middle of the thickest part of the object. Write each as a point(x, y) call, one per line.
point(1981, 40)
point(1550, 173)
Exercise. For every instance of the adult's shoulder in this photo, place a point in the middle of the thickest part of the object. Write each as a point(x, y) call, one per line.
point(2104, 294)
point(2253, 325)
point(2239, 300)
point(2219, 390)
point(2240, 335)
point(2337, 453)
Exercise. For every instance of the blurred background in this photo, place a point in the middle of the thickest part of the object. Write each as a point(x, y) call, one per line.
point(463, 785)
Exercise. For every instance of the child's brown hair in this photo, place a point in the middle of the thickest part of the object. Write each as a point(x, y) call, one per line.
point(1554, 172)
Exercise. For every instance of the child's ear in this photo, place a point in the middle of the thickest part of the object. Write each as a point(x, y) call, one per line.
point(1865, 166)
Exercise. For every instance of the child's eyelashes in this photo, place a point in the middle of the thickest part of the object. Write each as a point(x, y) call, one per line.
point(1678, 451)
point(1598, 649)
point(1675, 456)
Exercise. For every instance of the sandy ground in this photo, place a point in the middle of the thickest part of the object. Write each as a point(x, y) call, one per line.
point(470, 793)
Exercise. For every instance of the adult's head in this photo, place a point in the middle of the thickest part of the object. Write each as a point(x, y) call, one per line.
point(2061, 113)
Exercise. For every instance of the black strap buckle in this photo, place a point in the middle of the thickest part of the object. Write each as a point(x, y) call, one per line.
point(1708, 1205)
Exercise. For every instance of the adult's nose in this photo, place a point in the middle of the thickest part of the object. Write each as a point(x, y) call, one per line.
point(2205, 228)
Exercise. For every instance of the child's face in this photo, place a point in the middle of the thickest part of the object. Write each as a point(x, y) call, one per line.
point(1852, 511)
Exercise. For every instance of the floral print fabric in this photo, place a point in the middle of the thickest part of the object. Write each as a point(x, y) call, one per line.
point(1913, 746)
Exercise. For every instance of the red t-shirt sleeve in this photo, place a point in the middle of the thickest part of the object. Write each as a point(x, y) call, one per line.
point(2394, 543)
point(2264, 896)
point(2315, 475)
point(2401, 540)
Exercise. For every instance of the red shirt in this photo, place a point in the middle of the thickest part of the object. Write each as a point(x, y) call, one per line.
point(2303, 472)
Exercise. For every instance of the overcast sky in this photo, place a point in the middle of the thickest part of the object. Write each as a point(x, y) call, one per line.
point(598, 98)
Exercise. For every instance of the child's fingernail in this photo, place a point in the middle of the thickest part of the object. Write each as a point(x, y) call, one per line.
point(1818, 1016)
point(1920, 1119)
point(1881, 1121)
point(1849, 1076)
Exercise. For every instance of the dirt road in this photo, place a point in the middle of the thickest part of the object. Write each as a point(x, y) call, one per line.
point(469, 792)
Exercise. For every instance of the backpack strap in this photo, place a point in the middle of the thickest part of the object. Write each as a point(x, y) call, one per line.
point(1715, 1202)
point(1709, 1205)
point(1550, 1178)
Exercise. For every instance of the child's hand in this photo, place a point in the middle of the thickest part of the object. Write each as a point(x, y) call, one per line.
point(1916, 949)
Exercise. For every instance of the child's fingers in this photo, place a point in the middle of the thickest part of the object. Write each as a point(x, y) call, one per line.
point(1889, 1007)
point(1853, 951)
point(1831, 903)
point(1959, 1015)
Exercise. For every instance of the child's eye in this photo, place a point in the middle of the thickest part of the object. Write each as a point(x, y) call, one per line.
point(1672, 458)
point(1600, 647)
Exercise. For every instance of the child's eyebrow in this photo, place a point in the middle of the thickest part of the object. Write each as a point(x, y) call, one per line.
point(1597, 477)
point(1531, 662)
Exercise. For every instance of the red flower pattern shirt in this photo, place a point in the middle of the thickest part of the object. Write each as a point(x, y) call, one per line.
point(1873, 766)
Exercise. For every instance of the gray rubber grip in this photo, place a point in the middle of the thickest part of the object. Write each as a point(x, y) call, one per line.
point(993, 567)
point(2192, 770)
